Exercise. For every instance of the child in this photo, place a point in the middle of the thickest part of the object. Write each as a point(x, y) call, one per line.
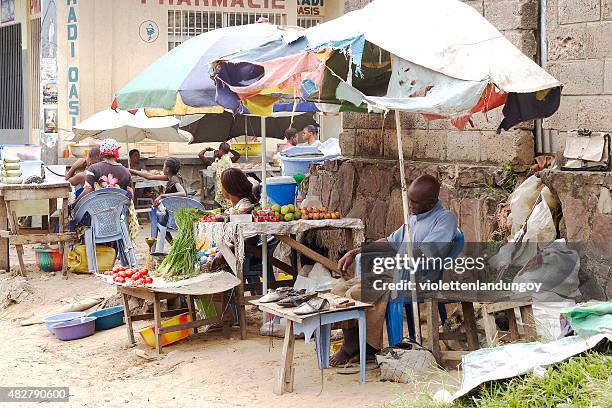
point(174, 187)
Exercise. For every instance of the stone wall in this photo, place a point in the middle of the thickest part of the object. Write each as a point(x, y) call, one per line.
point(369, 189)
point(587, 220)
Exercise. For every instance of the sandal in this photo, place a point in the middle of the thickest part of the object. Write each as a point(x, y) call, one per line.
point(278, 294)
point(314, 305)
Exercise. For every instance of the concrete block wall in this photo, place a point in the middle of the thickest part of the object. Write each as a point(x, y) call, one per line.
point(579, 38)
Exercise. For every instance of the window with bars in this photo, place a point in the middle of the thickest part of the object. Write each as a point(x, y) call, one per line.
point(35, 73)
point(307, 22)
point(184, 24)
point(11, 78)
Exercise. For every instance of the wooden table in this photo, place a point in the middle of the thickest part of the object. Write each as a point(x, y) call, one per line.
point(318, 324)
point(285, 232)
point(10, 232)
point(156, 295)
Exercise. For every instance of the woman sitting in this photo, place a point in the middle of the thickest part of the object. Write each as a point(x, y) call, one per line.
point(174, 187)
point(238, 190)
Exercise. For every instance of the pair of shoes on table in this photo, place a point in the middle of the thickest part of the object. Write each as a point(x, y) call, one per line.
point(314, 305)
point(278, 294)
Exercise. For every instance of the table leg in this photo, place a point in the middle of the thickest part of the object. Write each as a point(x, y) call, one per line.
point(362, 345)
point(322, 343)
point(284, 382)
point(528, 323)
point(128, 318)
point(240, 297)
point(433, 328)
point(513, 326)
point(192, 310)
point(12, 218)
point(52, 209)
point(4, 242)
point(470, 325)
point(63, 227)
point(488, 320)
point(157, 322)
point(225, 328)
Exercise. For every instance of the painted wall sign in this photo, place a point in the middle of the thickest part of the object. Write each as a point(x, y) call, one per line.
point(149, 31)
point(73, 69)
point(240, 4)
point(310, 7)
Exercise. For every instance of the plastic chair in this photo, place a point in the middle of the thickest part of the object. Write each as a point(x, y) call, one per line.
point(105, 214)
point(161, 223)
point(394, 314)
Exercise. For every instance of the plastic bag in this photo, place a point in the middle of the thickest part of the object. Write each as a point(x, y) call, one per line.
point(401, 365)
point(522, 200)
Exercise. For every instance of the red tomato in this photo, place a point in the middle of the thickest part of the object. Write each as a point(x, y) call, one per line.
point(149, 280)
point(121, 279)
point(136, 275)
point(146, 271)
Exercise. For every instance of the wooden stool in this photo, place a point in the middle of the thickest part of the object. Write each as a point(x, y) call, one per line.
point(488, 316)
point(433, 331)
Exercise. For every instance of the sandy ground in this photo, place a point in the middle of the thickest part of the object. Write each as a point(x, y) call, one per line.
point(204, 370)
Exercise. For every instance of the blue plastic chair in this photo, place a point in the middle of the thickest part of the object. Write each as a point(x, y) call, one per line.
point(394, 315)
point(163, 223)
point(104, 213)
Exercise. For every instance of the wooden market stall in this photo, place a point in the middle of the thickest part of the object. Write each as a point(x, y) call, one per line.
point(50, 200)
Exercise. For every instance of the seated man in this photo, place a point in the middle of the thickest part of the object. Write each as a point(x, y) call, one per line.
point(430, 223)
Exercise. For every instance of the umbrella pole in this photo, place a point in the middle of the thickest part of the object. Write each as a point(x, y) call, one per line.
point(264, 202)
point(413, 294)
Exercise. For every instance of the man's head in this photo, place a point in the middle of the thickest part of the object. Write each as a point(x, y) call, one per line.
point(224, 148)
point(423, 194)
point(309, 133)
point(93, 156)
point(134, 155)
point(291, 136)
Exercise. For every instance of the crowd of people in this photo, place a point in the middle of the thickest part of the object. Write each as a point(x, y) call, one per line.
point(234, 191)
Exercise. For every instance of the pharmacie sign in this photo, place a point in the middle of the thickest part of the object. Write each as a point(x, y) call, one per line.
point(236, 4)
point(310, 7)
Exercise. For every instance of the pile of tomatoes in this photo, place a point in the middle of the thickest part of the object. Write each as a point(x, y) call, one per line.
point(208, 218)
point(131, 277)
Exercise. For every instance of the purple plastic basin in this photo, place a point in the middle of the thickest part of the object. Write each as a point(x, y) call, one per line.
point(75, 329)
point(62, 317)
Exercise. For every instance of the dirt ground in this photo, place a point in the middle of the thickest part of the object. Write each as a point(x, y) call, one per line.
point(204, 370)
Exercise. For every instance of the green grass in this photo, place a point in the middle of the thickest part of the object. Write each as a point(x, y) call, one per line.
point(582, 381)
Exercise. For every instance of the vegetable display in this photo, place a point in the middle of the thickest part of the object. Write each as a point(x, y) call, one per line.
point(131, 277)
point(179, 263)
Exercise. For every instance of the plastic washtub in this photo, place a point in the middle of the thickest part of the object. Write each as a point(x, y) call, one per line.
point(148, 333)
point(108, 318)
point(75, 329)
point(49, 259)
point(62, 317)
point(281, 190)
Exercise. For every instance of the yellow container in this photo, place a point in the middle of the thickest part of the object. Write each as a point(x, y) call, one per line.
point(148, 333)
point(77, 259)
point(254, 148)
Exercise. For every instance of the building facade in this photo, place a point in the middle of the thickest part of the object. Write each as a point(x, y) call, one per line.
point(19, 68)
point(103, 44)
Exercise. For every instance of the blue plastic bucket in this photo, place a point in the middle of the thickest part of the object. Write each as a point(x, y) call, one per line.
point(298, 165)
point(281, 190)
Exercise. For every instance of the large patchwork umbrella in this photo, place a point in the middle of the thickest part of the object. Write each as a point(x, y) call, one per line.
point(438, 58)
